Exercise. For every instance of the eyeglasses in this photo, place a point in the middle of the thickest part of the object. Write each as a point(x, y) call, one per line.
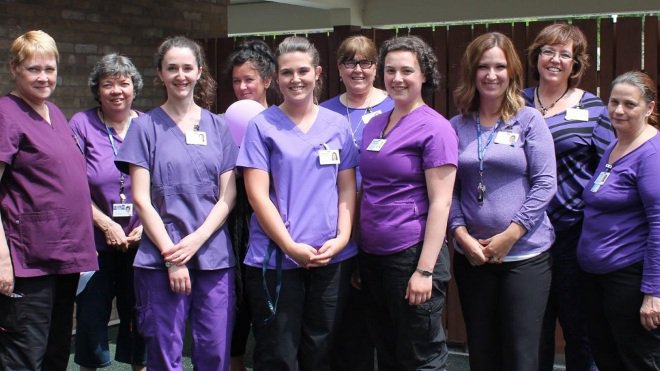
point(550, 53)
point(364, 64)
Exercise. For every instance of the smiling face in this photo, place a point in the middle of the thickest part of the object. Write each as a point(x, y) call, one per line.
point(403, 77)
point(35, 78)
point(179, 71)
point(357, 80)
point(627, 108)
point(296, 76)
point(116, 93)
point(492, 76)
point(555, 63)
point(248, 84)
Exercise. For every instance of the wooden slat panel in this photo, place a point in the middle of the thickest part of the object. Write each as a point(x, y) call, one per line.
point(440, 98)
point(519, 39)
point(458, 37)
point(606, 57)
point(628, 44)
point(651, 46)
point(589, 27)
point(503, 28)
point(320, 41)
point(426, 34)
point(225, 92)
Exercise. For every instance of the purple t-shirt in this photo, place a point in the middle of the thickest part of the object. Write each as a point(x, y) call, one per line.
point(622, 218)
point(102, 174)
point(395, 200)
point(304, 191)
point(184, 182)
point(520, 181)
point(358, 118)
point(44, 197)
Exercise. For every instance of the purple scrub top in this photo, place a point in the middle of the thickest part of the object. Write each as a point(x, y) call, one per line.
point(102, 174)
point(44, 196)
point(304, 191)
point(395, 200)
point(184, 182)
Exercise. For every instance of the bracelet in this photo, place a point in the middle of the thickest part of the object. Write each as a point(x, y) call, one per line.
point(423, 272)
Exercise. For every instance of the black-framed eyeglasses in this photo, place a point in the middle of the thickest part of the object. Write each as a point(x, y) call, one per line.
point(364, 64)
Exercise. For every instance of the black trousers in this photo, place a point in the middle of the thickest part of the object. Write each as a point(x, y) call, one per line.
point(300, 335)
point(503, 305)
point(35, 330)
point(407, 337)
point(618, 340)
point(566, 304)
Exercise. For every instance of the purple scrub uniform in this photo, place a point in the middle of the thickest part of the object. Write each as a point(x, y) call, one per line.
point(184, 189)
point(114, 280)
point(395, 200)
point(47, 219)
point(304, 191)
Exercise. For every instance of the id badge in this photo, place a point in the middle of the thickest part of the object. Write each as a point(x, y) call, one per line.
point(368, 116)
point(577, 114)
point(329, 157)
point(506, 137)
point(600, 180)
point(122, 210)
point(197, 138)
point(376, 144)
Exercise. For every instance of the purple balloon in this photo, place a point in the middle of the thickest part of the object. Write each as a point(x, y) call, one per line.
point(238, 115)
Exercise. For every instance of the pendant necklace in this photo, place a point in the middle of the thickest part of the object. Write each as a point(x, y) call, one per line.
point(545, 109)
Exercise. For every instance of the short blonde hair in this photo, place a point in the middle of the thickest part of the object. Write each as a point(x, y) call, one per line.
point(30, 44)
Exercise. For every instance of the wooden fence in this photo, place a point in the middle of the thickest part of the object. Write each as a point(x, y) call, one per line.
point(630, 43)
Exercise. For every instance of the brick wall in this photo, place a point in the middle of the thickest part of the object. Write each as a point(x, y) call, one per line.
point(87, 29)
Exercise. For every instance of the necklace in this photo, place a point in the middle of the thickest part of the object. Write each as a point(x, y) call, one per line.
point(367, 110)
point(544, 109)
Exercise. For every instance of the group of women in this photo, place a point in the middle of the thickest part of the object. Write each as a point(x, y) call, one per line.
point(535, 188)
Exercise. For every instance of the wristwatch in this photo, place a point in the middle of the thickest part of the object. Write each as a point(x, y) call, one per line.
point(169, 265)
point(423, 272)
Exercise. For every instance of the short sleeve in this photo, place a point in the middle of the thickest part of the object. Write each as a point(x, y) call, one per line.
point(440, 146)
point(254, 153)
point(9, 139)
point(229, 148)
point(136, 149)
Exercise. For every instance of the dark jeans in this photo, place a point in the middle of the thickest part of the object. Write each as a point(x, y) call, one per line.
point(503, 305)
point(566, 305)
point(299, 336)
point(35, 330)
point(353, 349)
point(114, 279)
point(407, 337)
point(618, 340)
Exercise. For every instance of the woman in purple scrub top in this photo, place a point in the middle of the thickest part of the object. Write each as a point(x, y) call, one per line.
point(46, 237)
point(408, 162)
point(357, 59)
point(300, 256)
point(181, 159)
point(506, 178)
point(100, 132)
point(620, 243)
point(252, 68)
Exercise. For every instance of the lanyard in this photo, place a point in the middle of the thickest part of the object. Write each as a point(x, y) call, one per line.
point(278, 282)
point(481, 152)
point(122, 178)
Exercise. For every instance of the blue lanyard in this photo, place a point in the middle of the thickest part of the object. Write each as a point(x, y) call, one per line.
point(481, 151)
point(111, 137)
point(278, 282)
